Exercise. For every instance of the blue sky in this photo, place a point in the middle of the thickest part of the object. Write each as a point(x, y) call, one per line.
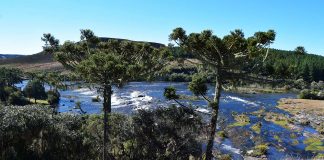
point(22, 22)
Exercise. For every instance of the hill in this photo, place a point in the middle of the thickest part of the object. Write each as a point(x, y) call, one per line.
point(45, 62)
point(36, 62)
point(7, 56)
point(280, 64)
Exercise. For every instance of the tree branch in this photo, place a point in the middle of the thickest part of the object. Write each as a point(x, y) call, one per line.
point(180, 103)
point(208, 100)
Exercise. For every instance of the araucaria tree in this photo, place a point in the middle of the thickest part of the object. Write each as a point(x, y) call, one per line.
point(110, 63)
point(35, 89)
point(226, 58)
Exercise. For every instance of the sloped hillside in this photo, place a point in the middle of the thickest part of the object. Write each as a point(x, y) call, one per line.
point(7, 56)
point(36, 62)
point(45, 62)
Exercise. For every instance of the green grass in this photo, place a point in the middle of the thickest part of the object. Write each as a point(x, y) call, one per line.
point(239, 124)
point(319, 156)
point(191, 98)
point(257, 128)
point(221, 134)
point(260, 150)
point(282, 123)
point(241, 120)
point(40, 101)
point(295, 142)
point(293, 136)
point(277, 138)
point(314, 144)
point(278, 119)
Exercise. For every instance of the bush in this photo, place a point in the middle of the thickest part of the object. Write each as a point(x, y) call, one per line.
point(35, 89)
point(53, 97)
point(320, 95)
point(307, 94)
point(167, 133)
point(179, 77)
point(260, 150)
point(317, 85)
point(7, 91)
point(34, 132)
point(310, 94)
point(96, 99)
point(224, 157)
point(300, 84)
point(221, 134)
point(13, 96)
point(17, 98)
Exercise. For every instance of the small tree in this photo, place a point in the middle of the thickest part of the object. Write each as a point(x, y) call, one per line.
point(51, 43)
point(17, 98)
point(35, 89)
point(10, 76)
point(110, 63)
point(167, 133)
point(224, 57)
point(300, 50)
point(53, 97)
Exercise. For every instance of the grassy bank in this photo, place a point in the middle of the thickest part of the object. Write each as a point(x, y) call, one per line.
point(305, 112)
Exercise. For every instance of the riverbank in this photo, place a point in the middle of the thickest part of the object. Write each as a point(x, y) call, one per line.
point(305, 112)
point(257, 90)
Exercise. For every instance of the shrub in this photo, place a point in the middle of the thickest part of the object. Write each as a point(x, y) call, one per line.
point(260, 150)
point(221, 134)
point(35, 89)
point(17, 98)
point(300, 84)
point(320, 95)
point(311, 94)
point(167, 133)
point(7, 91)
point(32, 132)
point(179, 77)
point(317, 85)
point(224, 157)
point(53, 97)
point(307, 94)
point(96, 99)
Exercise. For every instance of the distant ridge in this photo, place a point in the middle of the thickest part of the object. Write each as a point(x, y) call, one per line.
point(153, 44)
point(45, 61)
point(7, 56)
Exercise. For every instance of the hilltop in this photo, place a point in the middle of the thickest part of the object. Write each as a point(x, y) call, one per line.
point(45, 61)
point(7, 56)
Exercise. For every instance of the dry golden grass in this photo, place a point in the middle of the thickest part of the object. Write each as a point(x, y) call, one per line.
point(30, 67)
point(315, 107)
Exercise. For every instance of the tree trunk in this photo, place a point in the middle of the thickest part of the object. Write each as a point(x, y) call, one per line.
point(35, 100)
point(107, 110)
point(213, 122)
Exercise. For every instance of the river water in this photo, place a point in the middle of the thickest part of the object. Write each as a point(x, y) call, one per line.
point(145, 95)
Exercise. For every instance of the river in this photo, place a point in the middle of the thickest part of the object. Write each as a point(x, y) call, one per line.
point(145, 95)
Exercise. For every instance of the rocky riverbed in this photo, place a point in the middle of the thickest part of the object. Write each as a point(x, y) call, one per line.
point(305, 112)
